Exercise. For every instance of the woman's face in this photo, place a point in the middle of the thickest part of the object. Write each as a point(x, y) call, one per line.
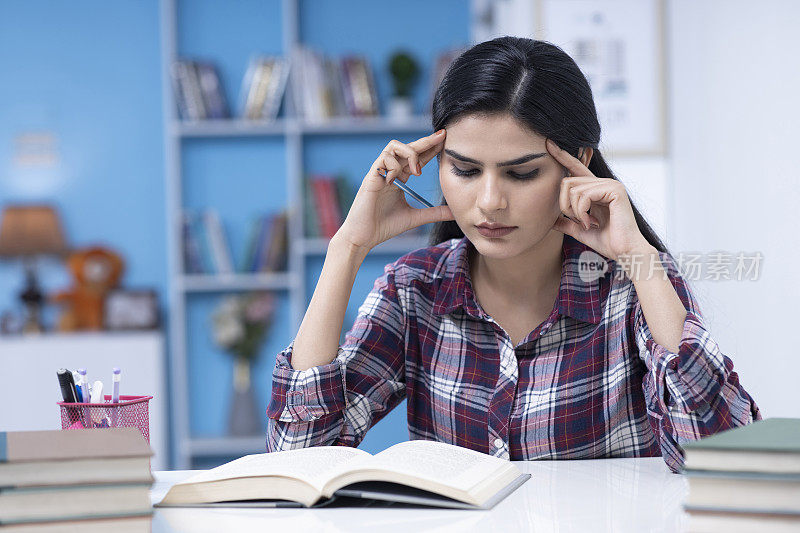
point(510, 179)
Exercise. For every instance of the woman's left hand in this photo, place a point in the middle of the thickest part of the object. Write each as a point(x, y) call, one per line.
point(599, 210)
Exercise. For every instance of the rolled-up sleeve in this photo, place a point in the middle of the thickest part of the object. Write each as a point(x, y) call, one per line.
point(336, 403)
point(692, 393)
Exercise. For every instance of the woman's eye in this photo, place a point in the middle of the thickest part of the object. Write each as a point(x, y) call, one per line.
point(471, 172)
point(460, 172)
point(526, 176)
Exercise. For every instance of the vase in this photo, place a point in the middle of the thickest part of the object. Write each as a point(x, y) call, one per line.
point(401, 108)
point(244, 419)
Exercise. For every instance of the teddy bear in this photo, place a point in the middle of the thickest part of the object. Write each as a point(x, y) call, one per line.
point(95, 270)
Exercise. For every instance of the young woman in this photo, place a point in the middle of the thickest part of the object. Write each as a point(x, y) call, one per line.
point(509, 334)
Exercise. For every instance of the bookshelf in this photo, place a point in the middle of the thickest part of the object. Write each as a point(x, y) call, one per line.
point(292, 134)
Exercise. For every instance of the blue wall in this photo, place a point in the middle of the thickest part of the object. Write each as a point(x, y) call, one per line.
point(90, 72)
point(87, 71)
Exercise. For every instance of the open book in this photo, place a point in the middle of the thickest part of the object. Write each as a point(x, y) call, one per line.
point(416, 472)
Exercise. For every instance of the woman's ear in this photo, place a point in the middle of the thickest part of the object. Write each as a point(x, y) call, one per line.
point(585, 155)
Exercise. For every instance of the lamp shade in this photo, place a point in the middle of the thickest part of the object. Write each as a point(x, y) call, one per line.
point(28, 230)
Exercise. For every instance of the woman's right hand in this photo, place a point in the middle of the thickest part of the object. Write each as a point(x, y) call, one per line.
point(379, 210)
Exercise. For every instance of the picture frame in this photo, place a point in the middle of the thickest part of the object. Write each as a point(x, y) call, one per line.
point(131, 310)
point(619, 46)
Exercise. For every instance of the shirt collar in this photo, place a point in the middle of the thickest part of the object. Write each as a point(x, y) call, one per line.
point(578, 298)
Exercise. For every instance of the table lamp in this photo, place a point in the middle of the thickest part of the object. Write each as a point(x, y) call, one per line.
point(27, 232)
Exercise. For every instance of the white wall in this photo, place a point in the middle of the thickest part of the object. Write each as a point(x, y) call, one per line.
point(728, 180)
point(734, 84)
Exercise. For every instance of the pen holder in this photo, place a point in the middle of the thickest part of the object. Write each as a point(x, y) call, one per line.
point(130, 411)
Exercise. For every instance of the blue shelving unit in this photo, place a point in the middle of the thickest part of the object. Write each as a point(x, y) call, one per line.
point(246, 166)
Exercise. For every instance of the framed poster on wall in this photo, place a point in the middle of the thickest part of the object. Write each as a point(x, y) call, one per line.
point(619, 46)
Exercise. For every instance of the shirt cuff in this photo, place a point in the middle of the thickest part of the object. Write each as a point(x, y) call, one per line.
point(305, 395)
point(694, 375)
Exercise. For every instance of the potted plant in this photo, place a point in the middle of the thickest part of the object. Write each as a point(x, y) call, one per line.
point(240, 323)
point(404, 71)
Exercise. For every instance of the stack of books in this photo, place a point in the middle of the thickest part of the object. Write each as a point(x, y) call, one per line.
point(83, 480)
point(324, 87)
point(206, 249)
point(268, 247)
point(746, 478)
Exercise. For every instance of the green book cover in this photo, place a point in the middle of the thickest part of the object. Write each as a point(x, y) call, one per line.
point(769, 435)
point(344, 195)
point(309, 209)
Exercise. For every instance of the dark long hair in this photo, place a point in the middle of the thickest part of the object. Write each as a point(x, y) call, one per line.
point(540, 86)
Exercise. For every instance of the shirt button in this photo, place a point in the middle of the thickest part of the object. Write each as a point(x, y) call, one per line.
point(498, 443)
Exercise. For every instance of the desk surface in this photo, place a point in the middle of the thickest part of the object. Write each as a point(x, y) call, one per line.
point(595, 495)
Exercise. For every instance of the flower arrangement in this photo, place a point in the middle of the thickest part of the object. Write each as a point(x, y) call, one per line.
point(241, 322)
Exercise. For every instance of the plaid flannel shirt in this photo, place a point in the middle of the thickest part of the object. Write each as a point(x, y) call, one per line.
point(588, 382)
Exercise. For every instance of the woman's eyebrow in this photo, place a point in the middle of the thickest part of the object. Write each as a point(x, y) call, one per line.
point(518, 161)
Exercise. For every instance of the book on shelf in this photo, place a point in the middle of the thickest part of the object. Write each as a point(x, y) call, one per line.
point(327, 202)
point(419, 472)
point(192, 254)
point(323, 87)
point(310, 219)
point(216, 104)
point(205, 246)
point(268, 245)
point(263, 87)
point(198, 90)
point(276, 255)
point(745, 474)
point(218, 242)
point(361, 98)
point(68, 475)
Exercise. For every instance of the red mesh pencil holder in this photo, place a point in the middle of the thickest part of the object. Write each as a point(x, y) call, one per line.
point(130, 411)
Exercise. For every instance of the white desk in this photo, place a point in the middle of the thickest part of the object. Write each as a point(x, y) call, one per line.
point(596, 495)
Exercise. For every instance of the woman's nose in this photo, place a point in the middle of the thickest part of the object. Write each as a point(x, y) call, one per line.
point(491, 196)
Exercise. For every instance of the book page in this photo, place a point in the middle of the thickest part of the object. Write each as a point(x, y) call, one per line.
point(451, 465)
point(312, 465)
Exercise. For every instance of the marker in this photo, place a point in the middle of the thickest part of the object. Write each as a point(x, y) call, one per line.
point(84, 385)
point(67, 384)
point(115, 395)
point(115, 387)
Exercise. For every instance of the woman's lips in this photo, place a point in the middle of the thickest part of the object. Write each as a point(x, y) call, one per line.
point(494, 233)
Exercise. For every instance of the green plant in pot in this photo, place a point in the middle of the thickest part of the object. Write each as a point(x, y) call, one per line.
point(240, 323)
point(404, 71)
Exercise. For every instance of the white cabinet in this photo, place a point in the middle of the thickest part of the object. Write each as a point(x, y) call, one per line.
point(29, 389)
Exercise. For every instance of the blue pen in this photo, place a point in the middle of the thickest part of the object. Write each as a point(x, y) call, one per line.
point(76, 377)
point(84, 385)
point(407, 189)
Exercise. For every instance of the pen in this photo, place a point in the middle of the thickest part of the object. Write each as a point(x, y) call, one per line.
point(115, 386)
point(408, 190)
